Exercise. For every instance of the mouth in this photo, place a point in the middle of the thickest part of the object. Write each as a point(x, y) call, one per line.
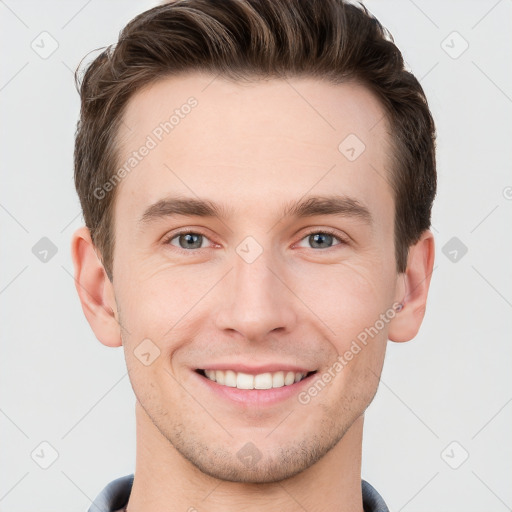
point(260, 381)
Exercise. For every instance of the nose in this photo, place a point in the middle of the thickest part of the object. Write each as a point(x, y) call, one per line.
point(256, 300)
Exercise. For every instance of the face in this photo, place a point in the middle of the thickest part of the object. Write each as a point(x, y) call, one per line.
point(254, 246)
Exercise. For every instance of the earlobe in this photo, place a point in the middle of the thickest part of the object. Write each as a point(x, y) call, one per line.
point(420, 263)
point(94, 289)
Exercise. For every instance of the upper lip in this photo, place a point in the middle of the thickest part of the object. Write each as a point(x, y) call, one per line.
point(255, 370)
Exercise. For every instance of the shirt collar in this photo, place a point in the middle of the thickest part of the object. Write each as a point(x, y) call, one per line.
point(114, 497)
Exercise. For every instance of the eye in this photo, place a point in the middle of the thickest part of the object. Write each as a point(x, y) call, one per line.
point(187, 240)
point(322, 239)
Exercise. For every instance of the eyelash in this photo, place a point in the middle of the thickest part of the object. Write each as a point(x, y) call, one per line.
point(327, 231)
point(341, 240)
point(167, 240)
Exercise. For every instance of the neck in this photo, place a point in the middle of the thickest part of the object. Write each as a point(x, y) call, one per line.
point(164, 481)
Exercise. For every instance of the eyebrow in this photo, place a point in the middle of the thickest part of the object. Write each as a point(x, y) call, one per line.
point(328, 205)
point(309, 207)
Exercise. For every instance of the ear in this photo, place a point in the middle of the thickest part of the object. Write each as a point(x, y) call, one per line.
point(95, 290)
point(414, 289)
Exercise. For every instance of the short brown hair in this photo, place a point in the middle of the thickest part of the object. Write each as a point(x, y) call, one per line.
point(245, 39)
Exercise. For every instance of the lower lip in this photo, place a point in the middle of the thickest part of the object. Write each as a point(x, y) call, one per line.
point(255, 397)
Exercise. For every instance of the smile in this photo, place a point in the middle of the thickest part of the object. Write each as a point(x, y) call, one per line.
point(242, 380)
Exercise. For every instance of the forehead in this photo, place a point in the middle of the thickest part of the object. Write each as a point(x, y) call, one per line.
point(253, 143)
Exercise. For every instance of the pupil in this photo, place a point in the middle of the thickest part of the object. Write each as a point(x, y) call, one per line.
point(317, 239)
point(192, 241)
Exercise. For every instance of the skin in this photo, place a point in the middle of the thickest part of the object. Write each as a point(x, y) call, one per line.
point(253, 148)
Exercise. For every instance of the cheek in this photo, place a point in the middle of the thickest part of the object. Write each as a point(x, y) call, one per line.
point(155, 387)
point(353, 302)
point(347, 297)
point(157, 311)
point(157, 299)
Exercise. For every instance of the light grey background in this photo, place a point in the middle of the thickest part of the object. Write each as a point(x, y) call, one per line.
point(59, 385)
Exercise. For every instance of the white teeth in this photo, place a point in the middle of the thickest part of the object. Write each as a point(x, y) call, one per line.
point(219, 376)
point(244, 381)
point(247, 381)
point(230, 378)
point(278, 380)
point(263, 381)
point(289, 379)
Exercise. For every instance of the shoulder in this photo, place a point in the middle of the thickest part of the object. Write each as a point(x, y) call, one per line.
point(114, 495)
point(372, 500)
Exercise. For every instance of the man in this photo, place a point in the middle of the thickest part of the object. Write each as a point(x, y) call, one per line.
point(256, 178)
